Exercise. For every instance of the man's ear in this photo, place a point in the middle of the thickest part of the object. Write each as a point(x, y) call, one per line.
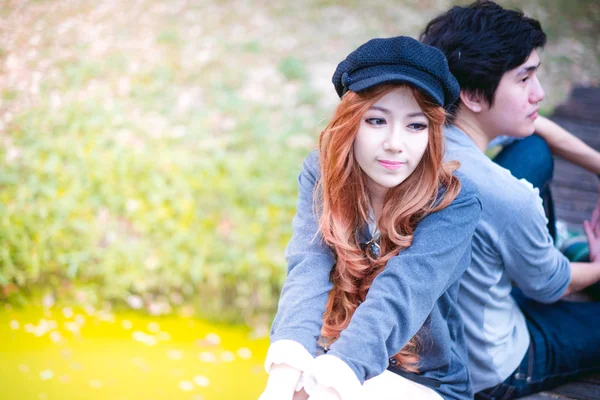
point(472, 100)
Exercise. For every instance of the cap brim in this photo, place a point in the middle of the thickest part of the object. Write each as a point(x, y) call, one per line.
point(426, 85)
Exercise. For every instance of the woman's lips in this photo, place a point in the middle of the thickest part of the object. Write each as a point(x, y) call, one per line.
point(391, 164)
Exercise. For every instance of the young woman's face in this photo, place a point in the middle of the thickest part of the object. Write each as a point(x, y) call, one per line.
point(391, 140)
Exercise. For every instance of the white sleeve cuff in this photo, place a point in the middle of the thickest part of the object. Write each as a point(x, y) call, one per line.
point(288, 352)
point(332, 372)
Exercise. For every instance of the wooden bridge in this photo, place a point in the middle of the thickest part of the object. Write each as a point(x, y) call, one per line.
point(575, 190)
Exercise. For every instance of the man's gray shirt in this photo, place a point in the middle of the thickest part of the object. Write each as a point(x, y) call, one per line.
point(511, 243)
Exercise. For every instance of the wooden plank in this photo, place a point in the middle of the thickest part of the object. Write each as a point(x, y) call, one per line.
point(587, 388)
point(583, 104)
point(592, 379)
point(579, 390)
point(573, 205)
point(573, 219)
point(589, 133)
point(546, 396)
point(588, 186)
point(574, 189)
point(577, 198)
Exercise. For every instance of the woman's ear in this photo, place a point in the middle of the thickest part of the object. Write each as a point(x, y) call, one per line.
point(472, 100)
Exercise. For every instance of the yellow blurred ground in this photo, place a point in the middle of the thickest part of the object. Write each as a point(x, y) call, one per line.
point(66, 353)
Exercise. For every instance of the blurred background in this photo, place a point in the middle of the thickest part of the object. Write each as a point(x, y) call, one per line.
point(149, 151)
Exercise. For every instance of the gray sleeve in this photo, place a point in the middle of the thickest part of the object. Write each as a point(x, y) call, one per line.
point(304, 294)
point(530, 259)
point(404, 293)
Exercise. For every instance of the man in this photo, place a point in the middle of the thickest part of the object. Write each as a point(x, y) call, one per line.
point(518, 343)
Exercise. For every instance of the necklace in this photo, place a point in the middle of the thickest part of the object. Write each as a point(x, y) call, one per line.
point(372, 248)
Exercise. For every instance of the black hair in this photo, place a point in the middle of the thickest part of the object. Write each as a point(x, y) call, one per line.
point(482, 41)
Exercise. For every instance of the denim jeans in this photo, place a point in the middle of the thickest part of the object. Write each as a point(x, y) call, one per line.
point(531, 159)
point(565, 344)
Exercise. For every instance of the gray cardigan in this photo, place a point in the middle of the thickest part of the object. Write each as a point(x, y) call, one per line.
point(416, 291)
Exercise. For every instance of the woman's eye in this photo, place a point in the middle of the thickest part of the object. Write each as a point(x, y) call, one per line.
point(375, 121)
point(417, 126)
point(525, 79)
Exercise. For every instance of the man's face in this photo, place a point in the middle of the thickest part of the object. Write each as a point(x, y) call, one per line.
point(516, 101)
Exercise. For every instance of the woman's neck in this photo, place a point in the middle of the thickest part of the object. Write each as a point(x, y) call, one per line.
point(377, 195)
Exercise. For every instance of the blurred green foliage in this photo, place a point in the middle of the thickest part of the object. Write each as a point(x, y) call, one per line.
point(149, 154)
point(84, 204)
point(135, 190)
point(292, 68)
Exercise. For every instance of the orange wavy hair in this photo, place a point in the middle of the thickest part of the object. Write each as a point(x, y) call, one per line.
point(344, 207)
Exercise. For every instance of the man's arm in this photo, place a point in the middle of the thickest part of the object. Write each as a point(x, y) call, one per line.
point(527, 250)
point(583, 274)
point(568, 146)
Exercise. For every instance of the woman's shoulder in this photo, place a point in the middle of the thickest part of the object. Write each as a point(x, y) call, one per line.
point(468, 188)
point(311, 164)
point(468, 198)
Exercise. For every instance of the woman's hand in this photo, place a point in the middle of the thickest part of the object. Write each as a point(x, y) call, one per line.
point(324, 393)
point(282, 383)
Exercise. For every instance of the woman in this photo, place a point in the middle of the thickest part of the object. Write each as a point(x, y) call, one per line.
point(375, 261)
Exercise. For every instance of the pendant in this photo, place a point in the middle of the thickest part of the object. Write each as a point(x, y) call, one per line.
point(372, 248)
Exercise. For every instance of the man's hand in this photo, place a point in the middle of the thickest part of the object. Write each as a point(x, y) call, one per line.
point(592, 231)
point(282, 383)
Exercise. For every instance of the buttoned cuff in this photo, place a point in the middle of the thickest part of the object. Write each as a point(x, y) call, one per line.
point(291, 353)
point(332, 372)
point(288, 352)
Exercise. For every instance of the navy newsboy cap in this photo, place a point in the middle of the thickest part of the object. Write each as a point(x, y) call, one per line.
point(399, 59)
